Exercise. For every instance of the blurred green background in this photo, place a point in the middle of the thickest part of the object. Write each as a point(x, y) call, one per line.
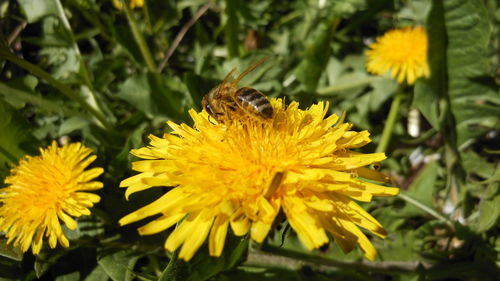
point(84, 70)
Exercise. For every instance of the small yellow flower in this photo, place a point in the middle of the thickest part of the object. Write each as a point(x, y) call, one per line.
point(44, 190)
point(241, 174)
point(403, 52)
point(132, 4)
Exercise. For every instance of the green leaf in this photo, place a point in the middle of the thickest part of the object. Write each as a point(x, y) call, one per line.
point(18, 91)
point(176, 269)
point(439, 85)
point(154, 95)
point(400, 247)
point(64, 61)
point(476, 119)
point(348, 84)
point(429, 92)
point(98, 274)
point(136, 90)
point(123, 35)
point(422, 189)
point(489, 212)
point(6, 250)
point(317, 48)
point(72, 124)
point(73, 276)
point(470, 79)
point(35, 10)
point(468, 32)
point(427, 102)
point(121, 163)
point(48, 259)
point(203, 267)
point(346, 8)
point(474, 164)
point(11, 269)
point(58, 45)
point(119, 265)
point(383, 88)
point(17, 140)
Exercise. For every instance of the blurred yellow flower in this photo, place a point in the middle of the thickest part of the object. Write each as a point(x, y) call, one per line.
point(44, 190)
point(242, 173)
point(403, 52)
point(132, 4)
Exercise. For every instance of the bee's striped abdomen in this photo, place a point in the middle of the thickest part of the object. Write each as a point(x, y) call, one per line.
point(254, 102)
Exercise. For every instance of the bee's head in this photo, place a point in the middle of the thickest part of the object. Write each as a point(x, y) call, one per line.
point(205, 103)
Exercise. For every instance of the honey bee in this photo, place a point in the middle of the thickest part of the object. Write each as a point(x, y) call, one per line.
point(226, 101)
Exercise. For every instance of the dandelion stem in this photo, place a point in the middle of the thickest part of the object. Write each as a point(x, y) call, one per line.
point(294, 261)
point(391, 121)
point(231, 29)
point(139, 39)
point(147, 17)
point(425, 208)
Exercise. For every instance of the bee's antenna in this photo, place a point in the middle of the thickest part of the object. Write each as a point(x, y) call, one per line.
point(249, 69)
point(228, 76)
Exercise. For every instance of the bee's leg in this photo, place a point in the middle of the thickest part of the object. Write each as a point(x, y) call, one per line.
point(211, 120)
point(230, 108)
point(229, 104)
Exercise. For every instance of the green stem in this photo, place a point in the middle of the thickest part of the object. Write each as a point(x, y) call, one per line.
point(425, 208)
point(139, 39)
point(37, 71)
point(424, 137)
point(145, 12)
point(279, 258)
point(391, 121)
point(231, 29)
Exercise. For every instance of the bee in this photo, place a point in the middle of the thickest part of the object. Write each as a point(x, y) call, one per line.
point(227, 102)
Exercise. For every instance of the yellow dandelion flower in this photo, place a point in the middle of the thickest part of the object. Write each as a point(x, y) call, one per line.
point(132, 4)
point(403, 52)
point(241, 174)
point(44, 190)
